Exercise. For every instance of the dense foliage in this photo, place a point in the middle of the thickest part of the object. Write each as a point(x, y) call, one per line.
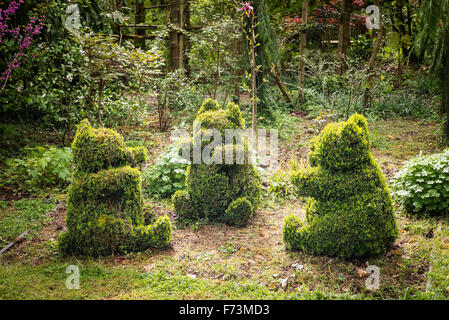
point(105, 211)
point(350, 211)
point(228, 193)
point(41, 167)
point(422, 185)
point(167, 175)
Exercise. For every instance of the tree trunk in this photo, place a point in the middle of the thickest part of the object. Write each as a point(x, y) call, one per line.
point(302, 52)
point(186, 40)
point(236, 52)
point(372, 60)
point(175, 36)
point(445, 86)
point(139, 18)
point(343, 35)
point(253, 80)
point(280, 84)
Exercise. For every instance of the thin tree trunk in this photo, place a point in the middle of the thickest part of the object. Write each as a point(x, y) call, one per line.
point(372, 60)
point(444, 87)
point(302, 51)
point(186, 40)
point(175, 36)
point(253, 79)
point(445, 97)
point(280, 84)
point(139, 18)
point(236, 72)
point(343, 35)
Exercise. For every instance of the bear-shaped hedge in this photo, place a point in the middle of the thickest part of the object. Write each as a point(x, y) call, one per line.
point(105, 210)
point(350, 211)
point(228, 193)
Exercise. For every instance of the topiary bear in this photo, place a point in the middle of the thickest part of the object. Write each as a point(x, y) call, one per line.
point(228, 193)
point(350, 213)
point(105, 210)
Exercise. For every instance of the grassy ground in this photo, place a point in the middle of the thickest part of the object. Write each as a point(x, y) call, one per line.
point(219, 262)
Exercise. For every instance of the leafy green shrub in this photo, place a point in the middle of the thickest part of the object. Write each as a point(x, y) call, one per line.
point(44, 166)
point(9, 139)
point(105, 211)
point(350, 213)
point(65, 80)
point(174, 94)
point(239, 212)
point(212, 189)
point(183, 206)
point(361, 47)
point(280, 182)
point(167, 176)
point(325, 91)
point(422, 184)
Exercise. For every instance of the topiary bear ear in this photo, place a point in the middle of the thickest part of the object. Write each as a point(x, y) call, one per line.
point(235, 115)
point(355, 135)
point(361, 122)
point(209, 105)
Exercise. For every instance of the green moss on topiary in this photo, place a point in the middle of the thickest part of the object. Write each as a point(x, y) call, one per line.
point(350, 211)
point(105, 211)
point(212, 189)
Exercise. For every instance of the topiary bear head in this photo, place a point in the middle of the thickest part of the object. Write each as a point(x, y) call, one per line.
point(212, 116)
point(98, 149)
point(342, 145)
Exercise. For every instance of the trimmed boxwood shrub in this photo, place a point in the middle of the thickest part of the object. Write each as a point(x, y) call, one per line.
point(105, 210)
point(350, 211)
point(422, 185)
point(239, 212)
point(228, 193)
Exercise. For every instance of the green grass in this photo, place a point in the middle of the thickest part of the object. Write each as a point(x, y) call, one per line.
point(19, 216)
point(48, 282)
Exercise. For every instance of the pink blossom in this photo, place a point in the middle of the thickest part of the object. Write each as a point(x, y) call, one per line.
point(246, 7)
point(33, 28)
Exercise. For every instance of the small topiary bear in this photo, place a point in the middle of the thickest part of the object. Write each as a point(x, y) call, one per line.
point(228, 193)
point(105, 210)
point(350, 213)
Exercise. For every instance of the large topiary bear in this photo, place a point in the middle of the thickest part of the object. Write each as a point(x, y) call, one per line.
point(105, 211)
point(228, 193)
point(350, 213)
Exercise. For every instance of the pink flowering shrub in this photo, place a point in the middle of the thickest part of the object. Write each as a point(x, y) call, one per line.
point(22, 36)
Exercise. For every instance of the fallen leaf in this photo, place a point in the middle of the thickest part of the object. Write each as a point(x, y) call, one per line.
point(362, 273)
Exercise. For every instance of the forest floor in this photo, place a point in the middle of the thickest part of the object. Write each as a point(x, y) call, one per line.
point(220, 262)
